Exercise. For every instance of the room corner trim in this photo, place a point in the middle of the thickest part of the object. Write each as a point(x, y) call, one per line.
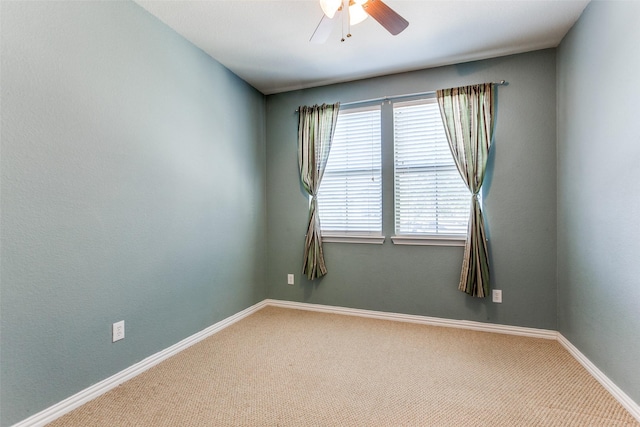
point(610, 386)
point(59, 409)
point(424, 320)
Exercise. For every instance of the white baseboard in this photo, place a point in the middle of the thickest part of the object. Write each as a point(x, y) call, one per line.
point(616, 392)
point(52, 413)
point(59, 409)
point(423, 320)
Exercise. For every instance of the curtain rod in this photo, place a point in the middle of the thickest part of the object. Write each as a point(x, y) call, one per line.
point(387, 98)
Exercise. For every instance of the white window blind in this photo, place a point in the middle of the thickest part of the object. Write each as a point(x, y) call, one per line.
point(350, 194)
point(430, 197)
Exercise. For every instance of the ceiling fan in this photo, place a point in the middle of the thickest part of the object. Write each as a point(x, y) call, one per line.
point(356, 12)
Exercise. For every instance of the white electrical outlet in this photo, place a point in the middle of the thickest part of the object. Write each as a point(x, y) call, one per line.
point(118, 331)
point(497, 295)
point(290, 279)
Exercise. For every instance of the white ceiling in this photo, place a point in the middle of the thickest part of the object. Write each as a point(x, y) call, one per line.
point(266, 42)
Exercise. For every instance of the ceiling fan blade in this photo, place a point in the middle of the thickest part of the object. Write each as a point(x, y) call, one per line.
point(386, 16)
point(324, 28)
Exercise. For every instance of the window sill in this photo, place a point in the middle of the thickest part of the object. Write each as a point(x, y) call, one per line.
point(429, 240)
point(353, 238)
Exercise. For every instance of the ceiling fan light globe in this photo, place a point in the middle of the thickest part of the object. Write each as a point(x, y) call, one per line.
point(330, 7)
point(356, 14)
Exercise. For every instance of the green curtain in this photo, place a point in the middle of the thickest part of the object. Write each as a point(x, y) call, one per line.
point(467, 113)
point(316, 126)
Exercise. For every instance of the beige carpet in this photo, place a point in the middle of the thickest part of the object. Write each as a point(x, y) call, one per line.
point(283, 367)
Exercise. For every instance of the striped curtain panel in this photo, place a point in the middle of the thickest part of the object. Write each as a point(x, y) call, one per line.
point(467, 113)
point(316, 126)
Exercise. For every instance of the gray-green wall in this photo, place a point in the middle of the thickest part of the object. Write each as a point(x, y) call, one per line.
point(598, 195)
point(519, 200)
point(132, 179)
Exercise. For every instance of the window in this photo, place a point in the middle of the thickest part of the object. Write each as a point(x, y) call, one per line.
point(430, 202)
point(430, 197)
point(350, 194)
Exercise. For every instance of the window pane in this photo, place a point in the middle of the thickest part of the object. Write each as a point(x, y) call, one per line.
point(350, 195)
point(430, 196)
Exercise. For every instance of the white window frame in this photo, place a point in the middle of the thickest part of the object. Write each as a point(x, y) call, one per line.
point(423, 238)
point(345, 235)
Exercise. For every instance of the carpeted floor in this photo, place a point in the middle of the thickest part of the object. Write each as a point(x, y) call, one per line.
point(284, 367)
